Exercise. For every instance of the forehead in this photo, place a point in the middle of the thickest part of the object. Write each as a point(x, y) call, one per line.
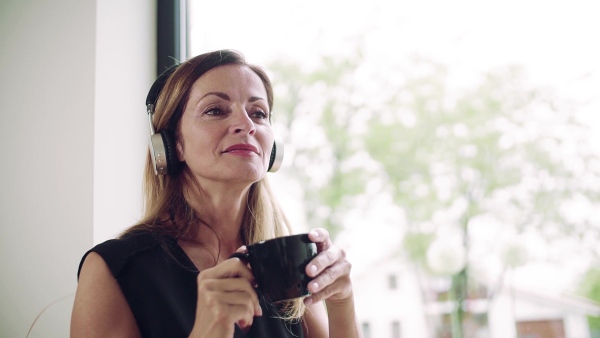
point(230, 79)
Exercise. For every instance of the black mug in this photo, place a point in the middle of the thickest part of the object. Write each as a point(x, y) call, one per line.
point(279, 266)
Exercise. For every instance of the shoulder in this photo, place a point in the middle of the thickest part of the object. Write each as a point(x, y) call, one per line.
point(117, 252)
point(100, 308)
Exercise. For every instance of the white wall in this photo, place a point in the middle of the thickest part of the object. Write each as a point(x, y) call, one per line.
point(125, 70)
point(73, 78)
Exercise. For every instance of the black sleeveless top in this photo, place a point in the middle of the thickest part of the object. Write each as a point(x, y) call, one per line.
point(159, 282)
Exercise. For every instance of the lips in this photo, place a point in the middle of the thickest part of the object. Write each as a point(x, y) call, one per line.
point(241, 148)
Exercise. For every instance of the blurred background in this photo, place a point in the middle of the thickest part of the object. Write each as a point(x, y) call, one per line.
point(451, 147)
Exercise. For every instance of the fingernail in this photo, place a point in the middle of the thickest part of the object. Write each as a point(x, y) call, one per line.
point(260, 311)
point(312, 269)
point(315, 286)
point(308, 301)
point(314, 233)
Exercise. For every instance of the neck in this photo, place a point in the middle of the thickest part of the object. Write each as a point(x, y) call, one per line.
point(221, 212)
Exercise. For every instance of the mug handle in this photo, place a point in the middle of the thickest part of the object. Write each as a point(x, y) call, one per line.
point(243, 256)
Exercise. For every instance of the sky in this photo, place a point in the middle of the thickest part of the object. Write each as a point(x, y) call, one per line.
point(555, 42)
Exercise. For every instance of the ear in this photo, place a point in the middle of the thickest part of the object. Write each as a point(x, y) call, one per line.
point(180, 152)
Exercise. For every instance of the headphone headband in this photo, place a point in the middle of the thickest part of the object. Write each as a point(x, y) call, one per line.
point(158, 85)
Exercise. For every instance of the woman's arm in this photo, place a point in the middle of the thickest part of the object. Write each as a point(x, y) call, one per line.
point(226, 297)
point(331, 283)
point(100, 308)
point(342, 319)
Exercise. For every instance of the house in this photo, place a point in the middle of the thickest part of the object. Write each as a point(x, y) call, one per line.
point(391, 303)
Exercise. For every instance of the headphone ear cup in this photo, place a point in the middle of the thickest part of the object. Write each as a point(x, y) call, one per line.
point(157, 152)
point(164, 154)
point(276, 156)
point(173, 164)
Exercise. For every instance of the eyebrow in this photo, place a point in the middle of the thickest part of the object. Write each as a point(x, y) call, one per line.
point(226, 97)
point(219, 94)
point(256, 98)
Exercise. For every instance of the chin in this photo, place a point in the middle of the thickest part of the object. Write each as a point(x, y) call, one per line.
point(250, 174)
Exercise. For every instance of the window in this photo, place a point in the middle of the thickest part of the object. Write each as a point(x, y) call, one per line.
point(366, 330)
point(171, 33)
point(396, 329)
point(392, 282)
point(438, 138)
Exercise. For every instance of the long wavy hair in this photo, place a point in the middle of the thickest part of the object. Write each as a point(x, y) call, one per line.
point(166, 210)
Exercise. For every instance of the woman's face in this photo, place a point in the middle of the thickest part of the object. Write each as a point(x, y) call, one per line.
point(225, 132)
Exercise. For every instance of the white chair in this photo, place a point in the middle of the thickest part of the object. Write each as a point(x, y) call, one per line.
point(54, 320)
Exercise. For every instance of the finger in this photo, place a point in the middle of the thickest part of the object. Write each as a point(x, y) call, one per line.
point(245, 271)
point(323, 260)
point(230, 268)
point(220, 313)
point(237, 266)
point(242, 248)
point(340, 289)
point(234, 313)
point(317, 297)
point(227, 285)
point(241, 298)
point(242, 317)
point(230, 275)
point(340, 270)
point(233, 291)
point(319, 235)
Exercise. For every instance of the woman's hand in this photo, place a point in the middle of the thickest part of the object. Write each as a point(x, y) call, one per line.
point(330, 271)
point(331, 282)
point(226, 296)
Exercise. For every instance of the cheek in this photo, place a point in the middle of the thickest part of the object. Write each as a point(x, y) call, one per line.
point(197, 143)
point(187, 144)
point(268, 144)
point(268, 137)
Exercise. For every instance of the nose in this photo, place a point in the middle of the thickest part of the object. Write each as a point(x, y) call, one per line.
point(241, 122)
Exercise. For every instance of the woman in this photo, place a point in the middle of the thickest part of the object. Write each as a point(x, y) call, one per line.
point(169, 275)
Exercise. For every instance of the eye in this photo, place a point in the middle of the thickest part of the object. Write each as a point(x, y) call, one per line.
point(261, 114)
point(214, 111)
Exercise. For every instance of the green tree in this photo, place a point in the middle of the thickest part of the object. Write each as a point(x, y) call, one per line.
point(315, 116)
point(493, 150)
point(590, 288)
point(449, 155)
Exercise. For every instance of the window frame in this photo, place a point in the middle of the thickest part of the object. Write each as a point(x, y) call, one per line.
point(172, 43)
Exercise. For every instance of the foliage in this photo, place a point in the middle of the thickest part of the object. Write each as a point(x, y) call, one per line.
point(449, 155)
point(495, 149)
point(454, 158)
point(590, 288)
point(415, 245)
point(315, 112)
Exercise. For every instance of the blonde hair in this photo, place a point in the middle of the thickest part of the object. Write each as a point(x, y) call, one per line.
point(166, 211)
